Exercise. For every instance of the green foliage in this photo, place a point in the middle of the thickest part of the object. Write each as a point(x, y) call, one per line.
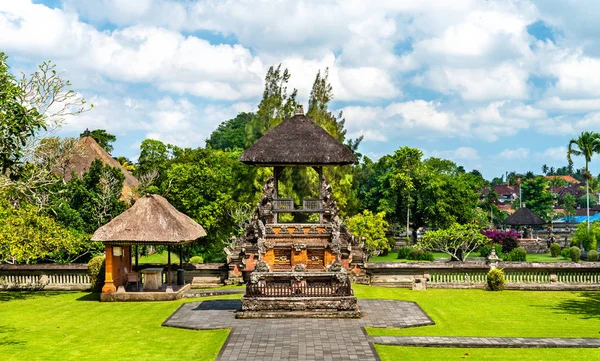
point(495, 280)
point(566, 253)
point(154, 156)
point(593, 256)
point(18, 121)
point(581, 201)
point(587, 239)
point(103, 139)
point(404, 252)
point(197, 260)
point(575, 254)
point(97, 272)
point(91, 201)
point(420, 255)
point(537, 196)
point(26, 236)
point(231, 134)
point(555, 249)
point(518, 254)
point(569, 204)
point(457, 240)
point(372, 228)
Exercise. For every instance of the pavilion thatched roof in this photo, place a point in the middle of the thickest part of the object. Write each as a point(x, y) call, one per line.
point(297, 141)
point(90, 151)
point(524, 217)
point(151, 220)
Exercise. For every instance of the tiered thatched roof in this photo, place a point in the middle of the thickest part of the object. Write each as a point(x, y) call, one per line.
point(151, 220)
point(524, 217)
point(297, 142)
point(90, 151)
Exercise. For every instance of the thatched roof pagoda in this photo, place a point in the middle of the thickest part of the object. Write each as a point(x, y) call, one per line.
point(90, 151)
point(151, 220)
point(298, 141)
point(524, 217)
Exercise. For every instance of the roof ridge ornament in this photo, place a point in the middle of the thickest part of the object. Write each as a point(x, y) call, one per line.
point(299, 110)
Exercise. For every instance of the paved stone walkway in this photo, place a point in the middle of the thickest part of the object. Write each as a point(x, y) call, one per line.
point(488, 342)
point(306, 339)
point(297, 339)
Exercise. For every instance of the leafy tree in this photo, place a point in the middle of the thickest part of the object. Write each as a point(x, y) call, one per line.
point(103, 139)
point(26, 236)
point(537, 197)
point(569, 204)
point(587, 238)
point(276, 104)
point(588, 201)
point(545, 169)
point(91, 201)
point(231, 134)
point(18, 121)
point(586, 145)
point(458, 241)
point(370, 227)
point(497, 181)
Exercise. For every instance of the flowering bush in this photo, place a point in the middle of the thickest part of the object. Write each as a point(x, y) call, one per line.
point(508, 239)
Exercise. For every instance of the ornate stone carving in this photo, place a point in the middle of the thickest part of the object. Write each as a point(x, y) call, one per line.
point(299, 247)
point(266, 202)
point(336, 266)
point(300, 267)
point(262, 266)
point(254, 277)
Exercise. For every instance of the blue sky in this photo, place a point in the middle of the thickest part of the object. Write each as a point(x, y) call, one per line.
point(492, 85)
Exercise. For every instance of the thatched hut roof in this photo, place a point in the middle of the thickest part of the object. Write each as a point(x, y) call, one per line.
point(151, 220)
point(90, 151)
point(297, 141)
point(524, 217)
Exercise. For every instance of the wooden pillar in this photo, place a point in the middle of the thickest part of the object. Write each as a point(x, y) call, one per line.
point(169, 265)
point(180, 257)
point(136, 258)
point(320, 173)
point(109, 286)
point(276, 173)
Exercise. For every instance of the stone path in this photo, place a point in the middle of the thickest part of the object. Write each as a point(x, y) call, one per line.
point(297, 339)
point(305, 339)
point(488, 342)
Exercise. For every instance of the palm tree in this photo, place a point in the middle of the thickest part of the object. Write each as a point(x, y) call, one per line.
point(586, 145)
point(545, 169)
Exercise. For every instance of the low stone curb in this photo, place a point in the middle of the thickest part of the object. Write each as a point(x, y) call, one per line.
point(486, 342)
point(206, 293)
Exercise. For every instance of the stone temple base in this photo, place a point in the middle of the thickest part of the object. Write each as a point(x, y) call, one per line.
point(299, 307)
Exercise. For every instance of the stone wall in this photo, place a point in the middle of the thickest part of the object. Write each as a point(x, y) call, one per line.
point(519, 275)
point(52, 277)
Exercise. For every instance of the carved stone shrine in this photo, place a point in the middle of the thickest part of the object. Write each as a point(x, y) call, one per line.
point(297, 269)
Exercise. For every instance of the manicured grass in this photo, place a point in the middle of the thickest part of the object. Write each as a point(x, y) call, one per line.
point(159, 258)
point(393, 257)
point(546, 257)
point(393, 353)
point(500, 314)
point(75, 326)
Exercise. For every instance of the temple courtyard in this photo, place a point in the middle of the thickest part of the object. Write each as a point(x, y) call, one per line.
point(469, 324)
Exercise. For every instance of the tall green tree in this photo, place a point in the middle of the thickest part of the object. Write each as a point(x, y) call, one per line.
point(231, 134)
point(586, 145)
point(537, 197)
point(103, 138)
point(276, 104)
point(18, 121)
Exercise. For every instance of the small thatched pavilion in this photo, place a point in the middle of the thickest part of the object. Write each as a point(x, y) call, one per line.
point(152, 220)
point(524, 217)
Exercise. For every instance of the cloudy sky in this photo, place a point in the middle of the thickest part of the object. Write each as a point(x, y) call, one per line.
point(493, 85)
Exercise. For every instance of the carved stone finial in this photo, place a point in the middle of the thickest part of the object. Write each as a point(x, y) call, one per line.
point(299, 110)
point(86, 133)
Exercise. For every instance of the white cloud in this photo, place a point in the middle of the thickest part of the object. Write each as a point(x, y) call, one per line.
point(461, 153)
point(555, 153)
point(518, 153)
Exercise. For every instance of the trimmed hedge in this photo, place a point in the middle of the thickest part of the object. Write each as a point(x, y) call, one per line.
point(555, 249)
point(495, 280)
point(593, 256)
point(575, 254)
point(97, 272)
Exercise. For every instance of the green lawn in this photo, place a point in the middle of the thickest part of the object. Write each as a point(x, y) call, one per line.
point(75, 326)
point(393, 353)
point(159, 258)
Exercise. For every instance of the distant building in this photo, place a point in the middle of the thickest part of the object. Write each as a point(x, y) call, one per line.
point(567, 178)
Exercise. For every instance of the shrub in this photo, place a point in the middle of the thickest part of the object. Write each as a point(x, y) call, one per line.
point(555, 249)
point(96, 270)
point(566, 253)
point(197, 259)
point(509, 244)
point(575, 254)
point(585, 238)
point(404, 252)
point(508, 239)
point(485, 251)
point(495, 280)
point(517, 255)
point(593, 256)
point(420, 255)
